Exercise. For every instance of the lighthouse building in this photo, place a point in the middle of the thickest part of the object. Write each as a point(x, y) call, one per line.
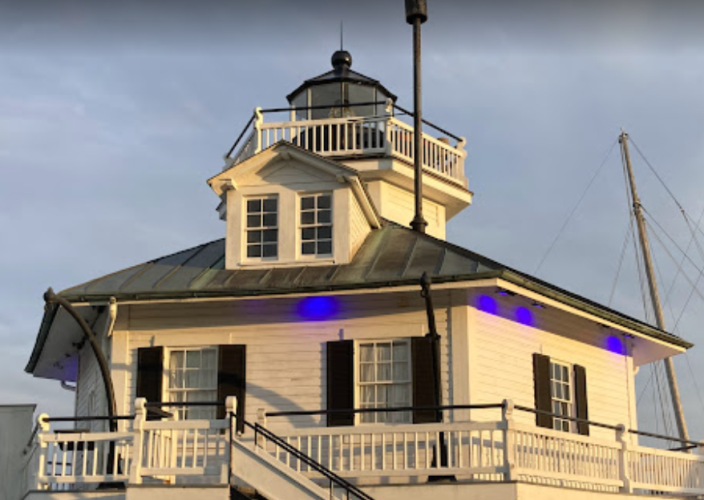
point(295, 358)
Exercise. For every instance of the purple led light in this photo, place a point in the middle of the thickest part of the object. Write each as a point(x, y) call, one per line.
point(615, 344)
point(487, 304)
point(524, 316)
point(317, 308)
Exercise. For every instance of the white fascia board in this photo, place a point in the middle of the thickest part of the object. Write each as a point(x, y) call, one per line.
point(660, 345)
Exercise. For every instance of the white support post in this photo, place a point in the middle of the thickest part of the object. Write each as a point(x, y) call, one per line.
point(258, 121)
point(624, 473)
point(43, 430)
point(261, 420)
point(140, 417)
point(509, 440)
point(388, 147)
point(230, 410)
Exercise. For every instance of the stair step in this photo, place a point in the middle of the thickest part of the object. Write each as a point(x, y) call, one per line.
point(245, 493)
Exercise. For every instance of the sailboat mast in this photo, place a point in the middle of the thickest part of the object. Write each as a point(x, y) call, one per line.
point(653, 286)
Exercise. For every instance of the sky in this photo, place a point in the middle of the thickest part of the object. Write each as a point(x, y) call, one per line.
point(113, 115)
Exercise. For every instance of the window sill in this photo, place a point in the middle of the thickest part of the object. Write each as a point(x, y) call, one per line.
point(294, 263)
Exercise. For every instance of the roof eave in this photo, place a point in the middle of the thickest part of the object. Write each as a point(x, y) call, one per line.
point(47, 320)
point(313, 83)
point(518, 279)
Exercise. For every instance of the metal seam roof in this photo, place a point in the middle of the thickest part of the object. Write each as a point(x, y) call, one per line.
point(374, 266)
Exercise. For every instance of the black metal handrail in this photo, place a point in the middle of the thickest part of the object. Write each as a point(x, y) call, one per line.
point(690, 444)
point(182, 404)
point(395, 409)
point(239, 138)
point(89, 419)
point(311, 463)
point(325, 106)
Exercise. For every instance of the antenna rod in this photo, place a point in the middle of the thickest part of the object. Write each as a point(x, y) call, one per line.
point(417, 14)
point(652, 284)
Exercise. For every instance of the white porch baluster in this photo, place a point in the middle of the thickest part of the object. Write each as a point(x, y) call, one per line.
point(623, 459)
point(140, 416)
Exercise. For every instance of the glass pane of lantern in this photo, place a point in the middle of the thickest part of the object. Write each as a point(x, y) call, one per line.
point(324, 95)
point(358, 94)
point(301, 102)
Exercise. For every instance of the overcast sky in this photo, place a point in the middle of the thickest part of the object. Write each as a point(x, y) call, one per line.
point(113, 114)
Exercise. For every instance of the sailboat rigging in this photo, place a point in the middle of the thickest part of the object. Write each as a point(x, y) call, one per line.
point(652, 286)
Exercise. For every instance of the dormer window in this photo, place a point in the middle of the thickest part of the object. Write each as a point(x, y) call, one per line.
point(316, 224)
point(262, 227)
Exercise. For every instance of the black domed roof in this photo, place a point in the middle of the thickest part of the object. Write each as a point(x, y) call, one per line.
point(341, 62)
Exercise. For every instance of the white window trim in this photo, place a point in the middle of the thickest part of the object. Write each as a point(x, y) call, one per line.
point(571, 402)
point(358, 373)
point(300, 256)
point(245, 230)
point(166, 390)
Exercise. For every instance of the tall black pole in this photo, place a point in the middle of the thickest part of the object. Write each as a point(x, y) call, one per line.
point(417, 14)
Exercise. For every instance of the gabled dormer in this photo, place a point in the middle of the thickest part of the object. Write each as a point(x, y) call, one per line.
point(354, 121)
point(288, 206)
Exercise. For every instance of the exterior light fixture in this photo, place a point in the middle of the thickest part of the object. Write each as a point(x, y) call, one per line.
point(505, 293)
point(538, 305)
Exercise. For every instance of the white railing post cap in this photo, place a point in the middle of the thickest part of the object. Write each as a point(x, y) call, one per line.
point(507, 407)
point(231, 404)
point(42, 421)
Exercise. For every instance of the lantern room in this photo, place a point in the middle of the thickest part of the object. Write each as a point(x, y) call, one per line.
point(339, 93)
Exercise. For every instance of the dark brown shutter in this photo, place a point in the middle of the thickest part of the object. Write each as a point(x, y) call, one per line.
point(340, 382)
point(543, 398)
point(423, 380)
point(150, 368)
point(580, 399)
point(232, 379)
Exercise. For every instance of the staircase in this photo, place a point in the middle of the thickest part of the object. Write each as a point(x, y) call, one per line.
point(271, 479)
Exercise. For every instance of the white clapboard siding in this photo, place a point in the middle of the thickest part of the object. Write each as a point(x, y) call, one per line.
point(285, 353)
point(359, 227)
point(90, 392)
point(503, 351)
point(399, 206)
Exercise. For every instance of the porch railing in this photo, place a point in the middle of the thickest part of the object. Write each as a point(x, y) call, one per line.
point(161, 451)
point(383, 135)
point(501, 450)
point(172, 451)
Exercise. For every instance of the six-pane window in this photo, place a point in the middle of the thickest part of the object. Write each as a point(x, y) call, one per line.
point(193, 377)
point(385, 380)
point(262, 228)
point(561, 393)
point(316, 224)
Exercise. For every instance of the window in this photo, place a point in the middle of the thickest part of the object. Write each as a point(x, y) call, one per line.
point(561, 394)
point(262, 228)
point(385, 380)
point(193, 377)
point(316, 224)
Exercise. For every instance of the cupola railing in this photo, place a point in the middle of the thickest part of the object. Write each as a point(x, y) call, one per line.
point(350, 137)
